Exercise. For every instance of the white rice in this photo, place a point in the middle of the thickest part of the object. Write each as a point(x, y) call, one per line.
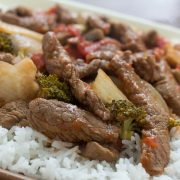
point(24, 150)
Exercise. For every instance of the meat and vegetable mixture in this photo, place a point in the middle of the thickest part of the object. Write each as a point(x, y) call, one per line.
point(84, 79)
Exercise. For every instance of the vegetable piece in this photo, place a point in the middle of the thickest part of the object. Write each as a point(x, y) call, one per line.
point(127, 129)
point(173, 122)
point(17, 81)
point(13, 29)
point(52, 88)
point(26, 45)
point(106, 89)
point(6, 43)
point(172, 56)
point(125, 110)
point(38, 60)
point(87, 47)
point(150, 141)
point(128, 116)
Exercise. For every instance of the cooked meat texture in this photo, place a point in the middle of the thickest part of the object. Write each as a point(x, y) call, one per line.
point(89, 69)
point(64, 15)
point(98, 22)
point(144, 95)
point(63, 37)
point(58, 62)
point(106, 55)
point(38, 22)
point(176, 73)
point(13, 113)
point(151, 39)
point(94, 35)
point(96, 151)
point(6, 57)
point(128, 37)
point(21, 11)
point(160, 75)
point(69, 123)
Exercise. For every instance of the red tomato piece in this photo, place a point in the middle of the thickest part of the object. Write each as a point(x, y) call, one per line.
point(38, 60)
point(150, 141)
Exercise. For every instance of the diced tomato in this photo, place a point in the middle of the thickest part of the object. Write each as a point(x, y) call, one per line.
point(52, 10)
point(38, 60)
point(73, 31)
point(67, 28)
point(150, 141)
point(86, 47)
point(178, 67)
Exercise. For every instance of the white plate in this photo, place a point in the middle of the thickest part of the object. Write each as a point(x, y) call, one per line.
point(169, 32)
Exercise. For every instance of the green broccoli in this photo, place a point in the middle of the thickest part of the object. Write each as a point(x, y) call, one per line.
point(129, 117)
point(52, 88)
point(6, 43)
point(173, 122)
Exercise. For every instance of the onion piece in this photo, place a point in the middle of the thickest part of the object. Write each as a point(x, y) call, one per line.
point(106, 89)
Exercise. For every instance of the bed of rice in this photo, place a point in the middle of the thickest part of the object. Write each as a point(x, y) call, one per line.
point(25, 151)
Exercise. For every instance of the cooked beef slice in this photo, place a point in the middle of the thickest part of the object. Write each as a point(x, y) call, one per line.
point(106, 55)
point(98, 22)
point(13, 113)
point(67, 122)
point(21, 11)
point(128, 37)
point(88, 69)
point(37, 22)
point(142, 94)
point(176, 73)
point(96, 151)
point(94, 35)
point(159, 73)
point(65, 16)
point(58, 62)
point(151, 39)
point(6, 57)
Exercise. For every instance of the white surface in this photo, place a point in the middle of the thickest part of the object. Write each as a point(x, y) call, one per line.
point(167, 31)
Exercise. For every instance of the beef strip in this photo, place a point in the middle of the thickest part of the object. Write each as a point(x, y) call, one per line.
point(96, 151)
point(151, 39)
point(159, 74)
point(176, 73)
point(85, 70)
point(67, 122)
point(13, 113)
point(6, 57)
point(98, 22)
point(64, 15)
point(94, 35)
point(106, 55)
point(142, 94)
point(21, 11)
point(37, 22)
point(127, 36)
point(58, 62)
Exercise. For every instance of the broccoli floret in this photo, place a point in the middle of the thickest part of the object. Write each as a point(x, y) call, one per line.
point(52, 88)
point(173, 122)
point(6, 43)
point(129, 117)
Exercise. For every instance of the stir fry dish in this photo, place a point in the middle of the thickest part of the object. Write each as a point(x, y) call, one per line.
point(85, 79)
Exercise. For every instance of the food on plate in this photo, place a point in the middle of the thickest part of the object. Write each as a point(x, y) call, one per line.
point(106, 89)
point(17, 81)
point(86, 80)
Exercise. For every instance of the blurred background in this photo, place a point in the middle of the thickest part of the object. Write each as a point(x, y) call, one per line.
point(164, 11)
